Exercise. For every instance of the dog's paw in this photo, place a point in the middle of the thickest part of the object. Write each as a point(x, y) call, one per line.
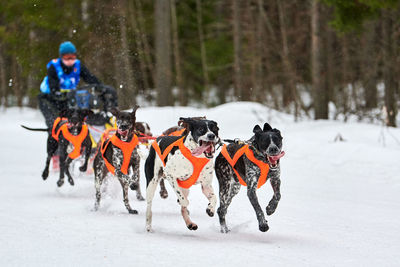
point(133, 211)
point(83, 168)
point(45, 174)
point(149, 229)
point(71, 181)
point(192, 226)
point(270, 209)
point(263, 227)
point(209, 212)
point(225, 229)
point(60, 183)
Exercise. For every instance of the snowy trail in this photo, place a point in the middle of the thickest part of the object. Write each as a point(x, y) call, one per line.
point(340, 202)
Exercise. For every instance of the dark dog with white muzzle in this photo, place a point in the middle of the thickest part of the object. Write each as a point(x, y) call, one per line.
point(119, 156)
point(69, 135)
point(250, 164)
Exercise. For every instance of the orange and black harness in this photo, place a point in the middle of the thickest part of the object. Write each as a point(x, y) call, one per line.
point(126, 148)
point(198, 163)
point(178, 132)
point(75, 140)
point(264, 167)
point(56, 122)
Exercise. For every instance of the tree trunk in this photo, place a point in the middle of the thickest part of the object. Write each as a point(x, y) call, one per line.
point(85, 13)
point(202, 48)
point(237, 68)
point(320, 95)
point(139, 45)
point(3, 79)
point(388, 70)
point(369, 68)
point(183, 94)
point(146, 46)
point(289, 86)
point(16, 83)
point(259, 56)
point(128, 90)
point(163, 52)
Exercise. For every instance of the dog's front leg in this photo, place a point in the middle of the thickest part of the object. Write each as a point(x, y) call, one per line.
point(124, 181)
point(183, 201)
point(273, 203)
point(63, 157)
point(252, 195)
point(208, 191)
point(88, 150)
point(185, 212)
point(135, 185)
point(67, 163)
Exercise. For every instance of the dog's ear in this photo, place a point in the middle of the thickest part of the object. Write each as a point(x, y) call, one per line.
point(278, 132)
point(115, 111)
point(185, 120)
point(267, 127)
point(257, 129)
point(133, 113)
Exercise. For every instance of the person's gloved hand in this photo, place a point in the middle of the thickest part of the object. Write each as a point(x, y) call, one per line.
point(60, 96)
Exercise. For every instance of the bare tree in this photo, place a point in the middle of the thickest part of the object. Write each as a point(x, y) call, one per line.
point(183, 95)
point(163, 52)
point(369, 66)
point(320, 95)
point(3, 81)
point(128, 91)
point(388, 69)
point(237, 68)
point(202, 47)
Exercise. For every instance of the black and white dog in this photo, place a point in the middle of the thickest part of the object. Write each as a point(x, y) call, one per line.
point(115, 157)
point(62, 138)
point(178, 165)
point(266, 147)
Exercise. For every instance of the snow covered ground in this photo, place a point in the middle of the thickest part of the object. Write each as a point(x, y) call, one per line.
point(340, 202)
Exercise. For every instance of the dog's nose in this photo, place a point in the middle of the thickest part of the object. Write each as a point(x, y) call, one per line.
point(273, 150)
point(123, 127)
point(211, 136)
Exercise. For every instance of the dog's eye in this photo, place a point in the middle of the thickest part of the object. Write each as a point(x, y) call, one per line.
point(202, 130)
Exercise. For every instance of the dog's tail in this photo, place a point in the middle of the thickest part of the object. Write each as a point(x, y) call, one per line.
point(35, 129)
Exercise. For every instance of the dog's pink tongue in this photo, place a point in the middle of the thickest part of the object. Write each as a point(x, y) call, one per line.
point(123, 133)
point(274, 159)
point(199, 150)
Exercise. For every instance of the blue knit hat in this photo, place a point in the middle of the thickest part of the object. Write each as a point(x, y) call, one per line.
point(67, 48)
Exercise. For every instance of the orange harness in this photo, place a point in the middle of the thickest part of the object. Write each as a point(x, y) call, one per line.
point(264, 167)
point(75, 140)
point(198, 163)
point(55, 134)
point(126, 148)
point(177, 133)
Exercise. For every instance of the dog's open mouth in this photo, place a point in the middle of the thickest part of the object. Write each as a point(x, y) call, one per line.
point(206, 147)
point(274, 159)
point(123, 134)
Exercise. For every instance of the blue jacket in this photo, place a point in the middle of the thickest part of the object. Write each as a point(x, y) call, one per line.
point(67, 81)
